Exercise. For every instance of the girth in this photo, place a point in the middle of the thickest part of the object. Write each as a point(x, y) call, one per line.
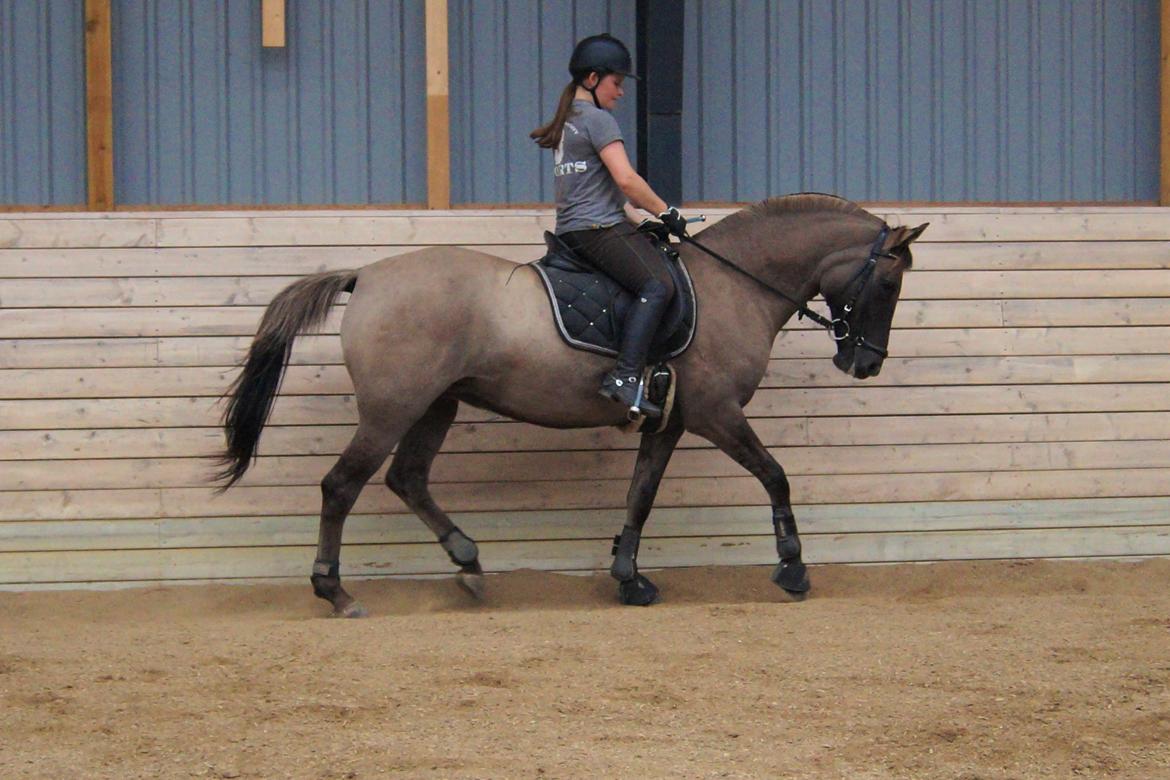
point(589, 307)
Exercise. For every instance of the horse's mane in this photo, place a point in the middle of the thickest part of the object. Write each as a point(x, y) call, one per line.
point(802, 202)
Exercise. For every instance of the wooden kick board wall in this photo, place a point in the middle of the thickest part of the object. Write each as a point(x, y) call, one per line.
point(1024, 411)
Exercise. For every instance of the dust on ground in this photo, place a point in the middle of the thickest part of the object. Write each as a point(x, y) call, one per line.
point(952, 670)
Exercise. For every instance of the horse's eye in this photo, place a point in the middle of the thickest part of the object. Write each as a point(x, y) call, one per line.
point(889, 286)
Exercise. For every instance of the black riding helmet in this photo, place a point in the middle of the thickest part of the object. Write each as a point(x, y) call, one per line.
point(600, 54)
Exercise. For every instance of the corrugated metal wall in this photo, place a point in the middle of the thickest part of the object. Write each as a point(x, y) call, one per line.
point(920, 100)
point(509, 63)
point(887, 100)
point(204, 114)
point(42, 102)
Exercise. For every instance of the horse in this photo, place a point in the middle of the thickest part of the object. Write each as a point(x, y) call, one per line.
point(428, 330)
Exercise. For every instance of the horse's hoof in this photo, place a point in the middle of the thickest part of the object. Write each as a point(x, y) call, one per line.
point(472, 583)
point(793, 596)
point(792, 577)
point(638, 592)
point(351, 610)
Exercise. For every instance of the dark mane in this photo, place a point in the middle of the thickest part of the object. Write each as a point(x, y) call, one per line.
point(802, 202)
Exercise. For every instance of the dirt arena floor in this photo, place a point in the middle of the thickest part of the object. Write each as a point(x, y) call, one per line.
point(967, 670)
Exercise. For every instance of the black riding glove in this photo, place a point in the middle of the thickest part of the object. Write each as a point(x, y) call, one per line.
point(660, 231)
point(674, 222)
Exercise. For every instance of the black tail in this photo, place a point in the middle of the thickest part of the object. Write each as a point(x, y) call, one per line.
point(301, 306)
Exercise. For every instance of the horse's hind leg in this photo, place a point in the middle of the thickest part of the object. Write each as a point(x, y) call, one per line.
point(408, 477)
point(653, 455)
point(339, 490)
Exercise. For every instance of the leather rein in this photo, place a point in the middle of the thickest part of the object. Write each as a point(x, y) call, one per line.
point(839, 328)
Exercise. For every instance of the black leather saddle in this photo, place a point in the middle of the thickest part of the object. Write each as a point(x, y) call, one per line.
point(590, 308)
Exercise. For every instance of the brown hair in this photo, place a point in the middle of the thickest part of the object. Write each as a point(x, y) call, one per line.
point(549, 136)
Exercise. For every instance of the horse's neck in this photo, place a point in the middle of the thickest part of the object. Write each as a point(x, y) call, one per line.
point(777, 251)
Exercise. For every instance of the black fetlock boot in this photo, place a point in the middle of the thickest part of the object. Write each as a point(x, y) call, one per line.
point(624, 383)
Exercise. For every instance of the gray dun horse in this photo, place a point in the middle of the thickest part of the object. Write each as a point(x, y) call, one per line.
point(427, 330)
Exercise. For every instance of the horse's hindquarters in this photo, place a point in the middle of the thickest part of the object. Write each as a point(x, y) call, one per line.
point(452, 320)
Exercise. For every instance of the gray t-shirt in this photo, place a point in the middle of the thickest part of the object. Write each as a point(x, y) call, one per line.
point(587, 196)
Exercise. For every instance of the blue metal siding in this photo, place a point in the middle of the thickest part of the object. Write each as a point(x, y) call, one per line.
point(205, 114)
point(509, 61)
point(42, 102)
point(921, 100)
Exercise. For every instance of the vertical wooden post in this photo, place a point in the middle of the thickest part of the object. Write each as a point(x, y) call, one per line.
point(1165, 90)
point(99, 106)
point(272, 24)
point(438, 109)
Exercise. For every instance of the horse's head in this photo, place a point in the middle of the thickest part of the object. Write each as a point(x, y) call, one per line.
point(861, 285)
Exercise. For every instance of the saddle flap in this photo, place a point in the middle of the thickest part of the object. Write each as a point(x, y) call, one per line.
point(589, 307)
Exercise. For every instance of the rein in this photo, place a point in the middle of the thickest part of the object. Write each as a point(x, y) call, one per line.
point(802, 310)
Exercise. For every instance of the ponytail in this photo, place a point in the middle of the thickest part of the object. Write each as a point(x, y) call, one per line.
point(549, 136)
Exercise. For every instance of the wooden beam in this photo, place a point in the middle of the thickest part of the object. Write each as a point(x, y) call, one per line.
point(1165, 89)
point(438, 108)
point(99, 108)
point(272, 23)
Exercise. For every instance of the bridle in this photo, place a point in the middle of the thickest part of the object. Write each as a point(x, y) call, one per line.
point(839, 328)
point(861, 279)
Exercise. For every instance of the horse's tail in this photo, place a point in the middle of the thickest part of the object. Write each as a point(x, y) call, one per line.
point(301, 306)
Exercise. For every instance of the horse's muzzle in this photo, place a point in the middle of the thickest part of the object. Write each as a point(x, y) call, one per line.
point(866, 371)
point(859, 364)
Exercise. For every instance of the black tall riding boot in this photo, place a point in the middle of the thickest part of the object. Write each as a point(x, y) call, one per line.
point(623, 384)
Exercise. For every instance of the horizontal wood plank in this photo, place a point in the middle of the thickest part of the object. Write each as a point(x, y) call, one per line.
point(508, 436)
point(255, 261)
point(61, 231)
point(591, 494)
point(279, 531)
point(784, 373)
point(602, 464)
point(380, 560)
point(178, 262)
point(204, 411)
point(325, 349)
point(259, 290)
point(243, 320)
point(512, 227)
point(188, 229)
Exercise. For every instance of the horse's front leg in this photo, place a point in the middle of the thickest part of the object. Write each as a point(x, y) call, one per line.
point(731, 432)
point(653, 455)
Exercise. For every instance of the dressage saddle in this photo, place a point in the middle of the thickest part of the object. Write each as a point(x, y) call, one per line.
point(589, 307)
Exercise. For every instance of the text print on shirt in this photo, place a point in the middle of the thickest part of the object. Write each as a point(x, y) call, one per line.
point(563, 169)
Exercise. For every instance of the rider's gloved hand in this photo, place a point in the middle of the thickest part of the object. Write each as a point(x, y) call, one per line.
point(674, 222)
point(655, 228)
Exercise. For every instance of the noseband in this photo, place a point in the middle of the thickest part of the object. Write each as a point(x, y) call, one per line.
point(833, 326)
point(861, 279)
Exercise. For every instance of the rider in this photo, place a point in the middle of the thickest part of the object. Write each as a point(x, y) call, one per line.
point(596, 190)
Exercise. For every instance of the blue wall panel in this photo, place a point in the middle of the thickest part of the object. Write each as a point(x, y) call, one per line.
point(42, 102)
point(205, 115)
point(509, 63)
point(922, 100)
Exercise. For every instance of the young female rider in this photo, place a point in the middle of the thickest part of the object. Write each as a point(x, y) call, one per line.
point(595, 187)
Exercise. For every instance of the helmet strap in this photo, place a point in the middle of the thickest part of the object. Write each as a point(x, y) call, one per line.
point(593, 90)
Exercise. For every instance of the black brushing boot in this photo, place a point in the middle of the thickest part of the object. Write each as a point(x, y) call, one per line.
point(624, 383)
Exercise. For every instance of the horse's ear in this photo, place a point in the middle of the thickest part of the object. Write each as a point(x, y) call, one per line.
point(900, 237)
point(915, 233)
